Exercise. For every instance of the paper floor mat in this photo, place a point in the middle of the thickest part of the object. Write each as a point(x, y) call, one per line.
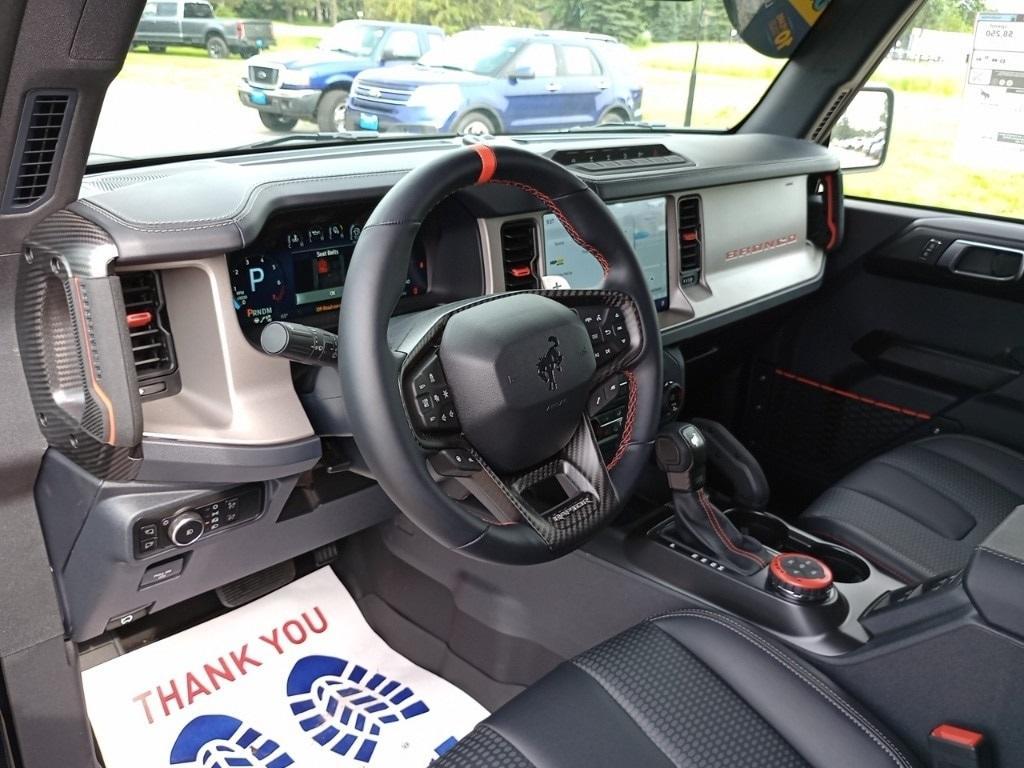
point(296, 678)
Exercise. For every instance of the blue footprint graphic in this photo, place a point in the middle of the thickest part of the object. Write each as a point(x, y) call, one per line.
point(343, 707)
point(220, 741)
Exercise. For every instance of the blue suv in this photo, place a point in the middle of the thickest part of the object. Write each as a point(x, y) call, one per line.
point(314, 85)
point(501, 80)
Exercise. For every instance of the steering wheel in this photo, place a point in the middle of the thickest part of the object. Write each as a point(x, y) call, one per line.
point(473, 416)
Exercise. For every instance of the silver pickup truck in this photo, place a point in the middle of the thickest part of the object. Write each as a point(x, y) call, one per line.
point(192, 23)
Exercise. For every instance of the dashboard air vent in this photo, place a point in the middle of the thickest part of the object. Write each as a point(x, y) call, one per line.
point(44, 125)
point(148, 329)
point(519, 254)
point(691, 241)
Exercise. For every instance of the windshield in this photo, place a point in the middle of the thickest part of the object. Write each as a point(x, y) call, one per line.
point(410, 69)
point(482, 53)
point(348, 37)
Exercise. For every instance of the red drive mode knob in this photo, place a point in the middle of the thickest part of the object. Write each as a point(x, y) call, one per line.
point(802, 578)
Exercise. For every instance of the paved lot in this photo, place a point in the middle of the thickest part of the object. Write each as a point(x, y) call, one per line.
point(167, 104)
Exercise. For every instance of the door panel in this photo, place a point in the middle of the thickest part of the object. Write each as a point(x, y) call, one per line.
point(534, 103)
point(584, 87)
point(898, 344)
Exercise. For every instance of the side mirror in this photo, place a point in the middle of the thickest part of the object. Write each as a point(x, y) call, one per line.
point(861, 135)
point(522, 73)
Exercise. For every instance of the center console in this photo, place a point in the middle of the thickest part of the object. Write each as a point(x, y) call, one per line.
point(820, 596)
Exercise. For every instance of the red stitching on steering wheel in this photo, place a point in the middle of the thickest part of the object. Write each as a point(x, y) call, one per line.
point(561, 216)
point(627, 430)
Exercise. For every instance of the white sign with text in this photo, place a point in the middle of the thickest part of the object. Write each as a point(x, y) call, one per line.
point(294, 678)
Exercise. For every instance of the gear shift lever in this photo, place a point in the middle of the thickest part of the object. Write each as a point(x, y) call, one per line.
point(681, 452)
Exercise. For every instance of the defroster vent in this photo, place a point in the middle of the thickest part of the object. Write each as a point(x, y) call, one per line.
point(519, 254)
point(149, 331)
point(691, 241)
point(40, 144)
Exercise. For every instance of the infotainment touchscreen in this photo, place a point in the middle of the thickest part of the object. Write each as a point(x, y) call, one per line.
point(644, 223)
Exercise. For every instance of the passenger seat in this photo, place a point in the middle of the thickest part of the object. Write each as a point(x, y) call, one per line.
point(921, 509)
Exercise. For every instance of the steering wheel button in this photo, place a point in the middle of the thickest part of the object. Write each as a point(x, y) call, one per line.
point(454, 462)
point(448, 418)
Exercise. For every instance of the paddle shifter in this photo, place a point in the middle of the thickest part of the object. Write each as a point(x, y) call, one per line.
point(681, 451)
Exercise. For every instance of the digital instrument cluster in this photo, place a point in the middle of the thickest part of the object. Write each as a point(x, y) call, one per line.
point(296, 270)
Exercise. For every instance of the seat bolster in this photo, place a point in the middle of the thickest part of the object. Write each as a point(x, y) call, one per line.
point(566, 720)
point(687, 689)
point(819, 721)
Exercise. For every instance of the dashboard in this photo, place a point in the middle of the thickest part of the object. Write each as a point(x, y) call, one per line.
point(196, 256)
point(295, 271)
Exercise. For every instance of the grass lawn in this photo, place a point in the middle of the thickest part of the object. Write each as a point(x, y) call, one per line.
point(924, 165)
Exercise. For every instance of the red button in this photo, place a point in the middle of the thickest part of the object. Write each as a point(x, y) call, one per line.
point(139, 320)
point(959, 736)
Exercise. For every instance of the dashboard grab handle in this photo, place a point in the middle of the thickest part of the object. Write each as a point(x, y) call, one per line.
point(300, 343)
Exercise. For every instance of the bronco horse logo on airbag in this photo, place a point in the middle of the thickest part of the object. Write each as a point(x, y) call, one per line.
point(549, 363)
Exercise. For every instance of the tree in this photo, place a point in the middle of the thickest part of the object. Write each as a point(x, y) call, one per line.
point(949, 15)
point(453, 15)
point(625, 20)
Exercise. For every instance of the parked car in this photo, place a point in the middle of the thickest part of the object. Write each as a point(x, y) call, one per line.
point(194, 24)
point(497, 79)
point(314, 85)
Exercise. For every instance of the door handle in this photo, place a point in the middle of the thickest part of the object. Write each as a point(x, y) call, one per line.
point(602, 85)
point(983, 261)
point(553, 88)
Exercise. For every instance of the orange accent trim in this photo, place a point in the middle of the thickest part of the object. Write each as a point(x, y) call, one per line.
point(108, 406)
point(830, 213)
point(798, 581)
point(959, 736)
point(488, 162)
point(139, 319)
point(853, 396)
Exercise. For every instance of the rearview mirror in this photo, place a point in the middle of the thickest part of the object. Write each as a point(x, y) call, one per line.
point(861, 135)
point(522, 73)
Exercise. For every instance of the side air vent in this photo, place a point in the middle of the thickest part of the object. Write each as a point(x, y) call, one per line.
point(824, 125)
point(691, 241)
point(149, 331)
point(519, 254)
point(40, 144)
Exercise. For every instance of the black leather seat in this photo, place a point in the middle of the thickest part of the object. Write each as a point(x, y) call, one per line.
point(921, 509)
point(696, 689)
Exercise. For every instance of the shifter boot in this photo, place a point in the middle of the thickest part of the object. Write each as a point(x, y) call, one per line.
point(681, 452)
